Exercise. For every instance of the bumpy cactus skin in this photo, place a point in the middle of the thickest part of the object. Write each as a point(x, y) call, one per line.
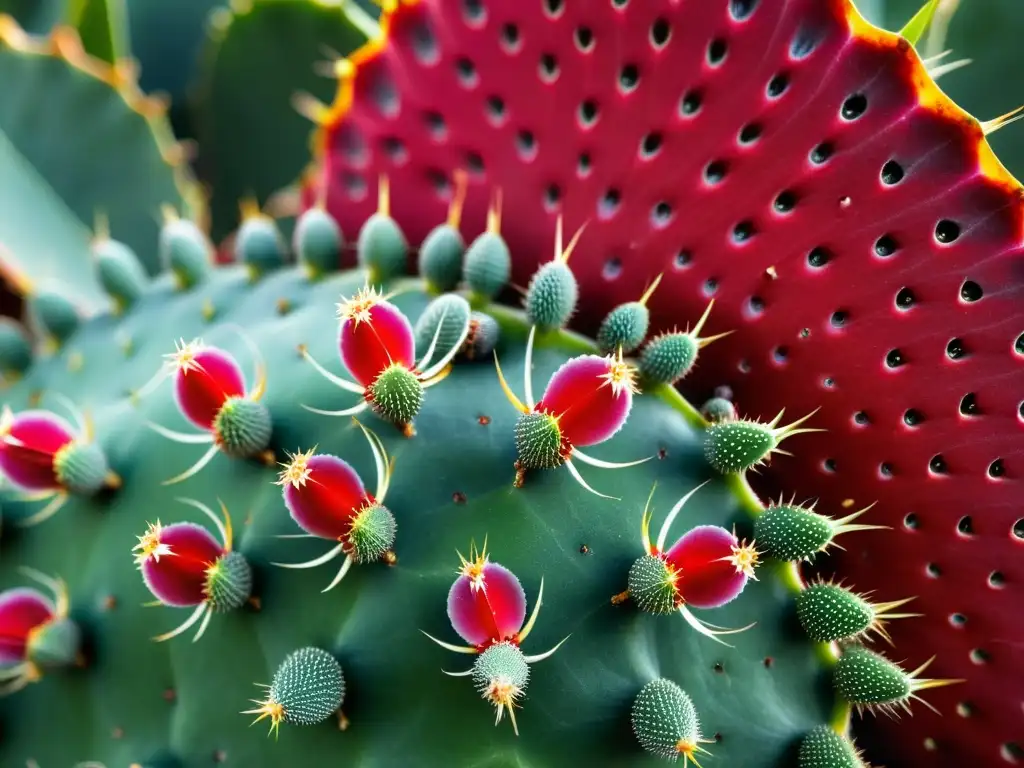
point(451, 484)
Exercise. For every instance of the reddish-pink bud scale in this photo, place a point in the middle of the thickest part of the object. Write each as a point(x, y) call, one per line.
point(202, 386)
point(28, 447)
point(325, 503)
point(375, 338)
point(178, 579)
point(589, 407)
point(488, 605)
point(21, 611)
point(705, 576)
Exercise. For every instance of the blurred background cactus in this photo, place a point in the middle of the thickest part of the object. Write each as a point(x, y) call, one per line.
point(144, 141)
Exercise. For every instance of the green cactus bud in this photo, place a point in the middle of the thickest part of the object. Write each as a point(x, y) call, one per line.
point(259, 245)
point(229, 582)
point(652, 585)
point(57, 643)
point(185, 250)
point(397, 394)
point(667, 358)
point(381, 248)
point(870, 681)
point(487, 267)
point(626, 325)
point(829, 612)
point(552, 295)
point(56, 316)
point(484, 334)
point(308, 688)
point(372, 534)
point(538, 441)
point(501, 675)
point(318, 242)
point(718, 409)
point(243, 427)
point(81, 468)
point(120, 272)
point(822, 747)
point(449, 312)
point(736, 446)
point(665, 721)
point(440, 258)
point(790, 532)
point(15, 349)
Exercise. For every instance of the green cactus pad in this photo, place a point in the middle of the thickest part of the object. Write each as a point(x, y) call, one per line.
point(186, 251)
point(309, 685)
point(451, 312)
point(397, 394)
point(538, 441)
point(259, 245)
point(82, 468)
point(120, 272)
point(625, 326)
point(229, 582)
point(55, 644)
point(243, 427)
point(718, 409)
point(552, 295)
point(15, 349)
point(484, 335)
point(824, 748)
point(828, 612)
point(865, 678)
point(651, 585)
point(501, 670)
point(440, 258)
point(382, 249)
point(665, 721)
point(318, 242)
point(667, 358)
point(487, 266)
point(790, 532)
point(736, 446)
point(451, 483)
point(55, 314)
point(373, 534)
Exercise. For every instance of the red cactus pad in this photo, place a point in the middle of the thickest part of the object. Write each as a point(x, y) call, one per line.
point(28, 443)
point(486, 604)
point(374, 335)
point(712, 566)
point(22, 610)
point(591, 396)
point(852, 223)
point(205, 378)
point(323, 494)
point(174, 561)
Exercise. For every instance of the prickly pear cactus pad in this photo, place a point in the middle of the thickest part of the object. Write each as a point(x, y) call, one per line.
point(803, 169)
point(440, 584)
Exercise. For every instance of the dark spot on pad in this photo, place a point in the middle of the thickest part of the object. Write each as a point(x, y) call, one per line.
point(741, 10)
point(854, 106)
point(1018, 529)
point(690, 103)
point(892, 173)
point(886, 246)
point(554, 7)
point(829, 465)
point(861, 419)
point(838, 319)
point(750, 133)
point(466, 72)
point(969, 405)
point(822, 152)
point(905, 298)
point(609, 203)
point(785, 201)
point(548, 67)
point(947, 231)
point(661, 214)
point(970, 291)
point(682, 259)
point(777, 85)
point(965, 526)
point(912, 417)
point(459, 497)
point(743, 231)
point(937, 464)
point(715, 171)
point(510, 36)
point(588, 112)
point(910, 522)
point(650, 144)
point(629, 78)
point(885, 469)
point(996, 469)
point(933, 570)
point(496, 107)
point(584, 38)
point(818, 257)
point(716, 51)
point(955, 349)
point(996, 580)
point(894, 358)
point(660, 32)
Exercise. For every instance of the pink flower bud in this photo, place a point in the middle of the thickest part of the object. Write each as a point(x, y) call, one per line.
point(323, 494)
point(591, 397)
point(205, 378)
point(486, 604)
point(29, 441)
point(374, 334)
point(711, 566)
point(22, 612)
point(175, 562)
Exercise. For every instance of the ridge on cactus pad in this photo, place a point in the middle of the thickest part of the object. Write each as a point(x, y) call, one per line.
point(853, 225)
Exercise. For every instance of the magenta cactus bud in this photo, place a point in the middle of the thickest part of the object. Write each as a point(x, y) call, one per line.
point(373, 336)
point(205, 379)
point(591, 397)
point(29, 443)
point(711, 565)
point(487, 603)
point(23, 611)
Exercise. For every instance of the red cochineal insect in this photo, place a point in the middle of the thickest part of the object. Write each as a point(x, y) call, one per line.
point(35, 633)
point(184, 565)
point(707, 567)
point(378, 346)
point(210, 390)
point(46, 457)
point(487, 607)
point(587, 401)
point(327, 499)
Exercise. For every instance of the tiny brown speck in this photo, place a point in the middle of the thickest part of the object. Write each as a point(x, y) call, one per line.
point(283, 306)
point(220, 756)
point(170, 694)
point(117, 733)
point(109, 603)
point(768, 661)
point(484, 420)
point(662, 453)
point(584, 549)
point(459, 497)
point(718, 667)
